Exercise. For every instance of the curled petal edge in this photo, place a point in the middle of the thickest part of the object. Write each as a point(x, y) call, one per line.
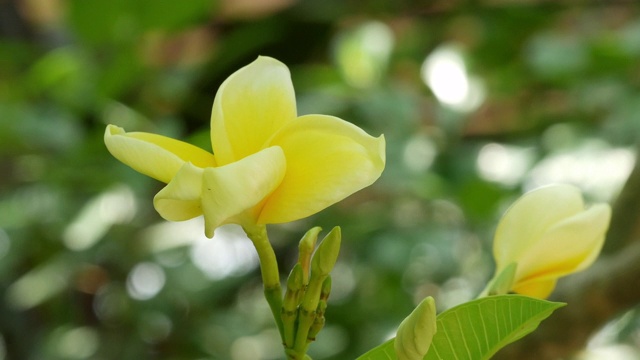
point(157, 156)
point(180, 199)
point(328, 159)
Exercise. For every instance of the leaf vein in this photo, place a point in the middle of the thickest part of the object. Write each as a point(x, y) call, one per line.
point(473, 328)
point(484, 327)
point(453, 350)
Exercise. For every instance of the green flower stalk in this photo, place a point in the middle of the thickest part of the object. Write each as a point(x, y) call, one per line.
point(295, 287)
point(319, 321)
point(269, 270)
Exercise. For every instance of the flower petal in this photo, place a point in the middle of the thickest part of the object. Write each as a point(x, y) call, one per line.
point(569, 246)
point(250, 106)
point(540, 289)
point(526, 221)
point(154, 155)
point(328, 159)
point(180, 199)
point(231, 190)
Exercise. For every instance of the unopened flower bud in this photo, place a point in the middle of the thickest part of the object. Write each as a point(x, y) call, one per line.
point(416, 332)
point(305, 249)
point(295, 281)
point(326, 288)
point(326, 255)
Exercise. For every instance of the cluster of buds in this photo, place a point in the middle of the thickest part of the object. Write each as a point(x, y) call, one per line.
point(308, 288)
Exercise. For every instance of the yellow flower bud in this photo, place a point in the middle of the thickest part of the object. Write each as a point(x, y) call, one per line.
point(549, 233)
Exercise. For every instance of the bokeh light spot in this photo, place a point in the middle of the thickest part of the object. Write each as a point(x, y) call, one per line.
point(229, 253)
point(78, 343)
point(262, 346)
point(115, 206)
point(39, 284)
point(503, 164)
point(444, 71)
point(419, 153)
point(145, 281)
point(594, 166)
point(343, 282)
point(155, 327)
point(111, 303)
point(362, 53)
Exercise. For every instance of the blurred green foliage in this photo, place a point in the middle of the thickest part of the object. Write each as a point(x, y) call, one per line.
point(89, 270)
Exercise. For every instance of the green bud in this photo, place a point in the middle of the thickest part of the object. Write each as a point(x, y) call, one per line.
point(290, 304)
point(326, 255)
point(295, 281)
point(305, 249)
point(322, 262)
point(416, 331)
point(322, 307)
point(315, 328)
point(326, 288)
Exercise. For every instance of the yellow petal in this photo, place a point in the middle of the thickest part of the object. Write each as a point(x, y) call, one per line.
point(526, 221)
point(156, 156)
point(250, 106)
point(229, 192)
point(537, 289)
point(328, 159)
point(569, 246)
point(180, 199)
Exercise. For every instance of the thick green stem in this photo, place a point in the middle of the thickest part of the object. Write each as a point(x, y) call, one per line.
point(307, 313)
point(269, 269)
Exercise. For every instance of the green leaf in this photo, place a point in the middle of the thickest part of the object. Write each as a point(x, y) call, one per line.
point(381, 352)
point(478, 329)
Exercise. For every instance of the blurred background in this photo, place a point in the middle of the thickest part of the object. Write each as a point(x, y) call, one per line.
point(478, 100)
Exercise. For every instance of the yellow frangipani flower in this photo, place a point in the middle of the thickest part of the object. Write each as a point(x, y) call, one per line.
point(548, 233)
point(268, 165)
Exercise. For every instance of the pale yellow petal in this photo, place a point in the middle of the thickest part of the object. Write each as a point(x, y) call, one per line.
point(230, 192)
point(250, 106)
point(328, 159)
point(569, 246)
point(537, 289)
point(180, 199)
point(530, 217)
point(154, 155)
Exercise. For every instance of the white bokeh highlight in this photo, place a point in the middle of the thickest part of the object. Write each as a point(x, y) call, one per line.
point(145, 281)
point(445, 72)
point(504, 164)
